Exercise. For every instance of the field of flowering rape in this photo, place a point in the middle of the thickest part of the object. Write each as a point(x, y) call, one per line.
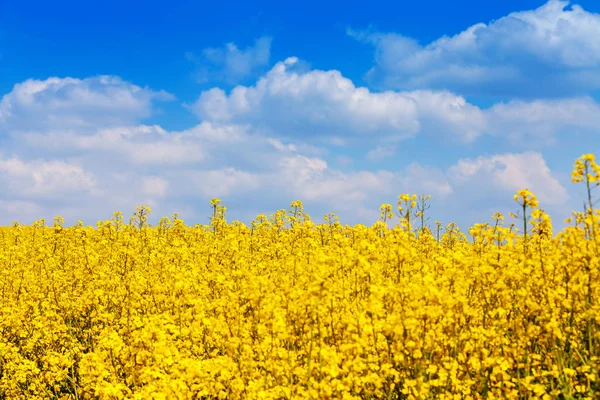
point(285, 308)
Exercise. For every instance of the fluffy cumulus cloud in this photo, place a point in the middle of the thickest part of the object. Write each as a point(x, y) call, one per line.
point(81, 148)
point(230, 63)
point(549, 51)
point(88, 189)
point(325, 103)
point(508, 173)
point(221, 182)
point(45, 179)
point(543, 119)
point(65, 103)
point(480, 184)
point(144, 145)
point(313, 179)
point(102, 114)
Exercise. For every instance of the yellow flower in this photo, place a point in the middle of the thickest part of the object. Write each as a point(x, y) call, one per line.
point(286, 307)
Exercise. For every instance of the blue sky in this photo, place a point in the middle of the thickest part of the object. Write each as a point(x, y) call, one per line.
point(343, 106)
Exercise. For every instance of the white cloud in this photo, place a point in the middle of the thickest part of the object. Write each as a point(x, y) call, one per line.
point(551, 50)
point(510, 173)
point(326, 104)
point(468, 191)
point(313, 180)
point(278, 144)
point(221, 182)
point(301, 169)
point(140, 144)
point(543, 119)
point(149, 145)
point(428, 180)
point(346, 189)
point(443, 112)
point(217, 133)
point(53, 178)
point(259, 144)
point(75, 103)
point(230, 63)
point(381, 152)
point(155, 186)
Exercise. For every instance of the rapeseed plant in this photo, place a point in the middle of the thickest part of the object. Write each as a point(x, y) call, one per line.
point(286, 308)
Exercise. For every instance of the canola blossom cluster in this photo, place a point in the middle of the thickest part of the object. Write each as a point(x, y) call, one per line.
point(284, 308)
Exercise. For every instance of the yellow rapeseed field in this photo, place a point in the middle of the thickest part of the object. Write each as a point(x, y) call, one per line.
point(285, 308)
